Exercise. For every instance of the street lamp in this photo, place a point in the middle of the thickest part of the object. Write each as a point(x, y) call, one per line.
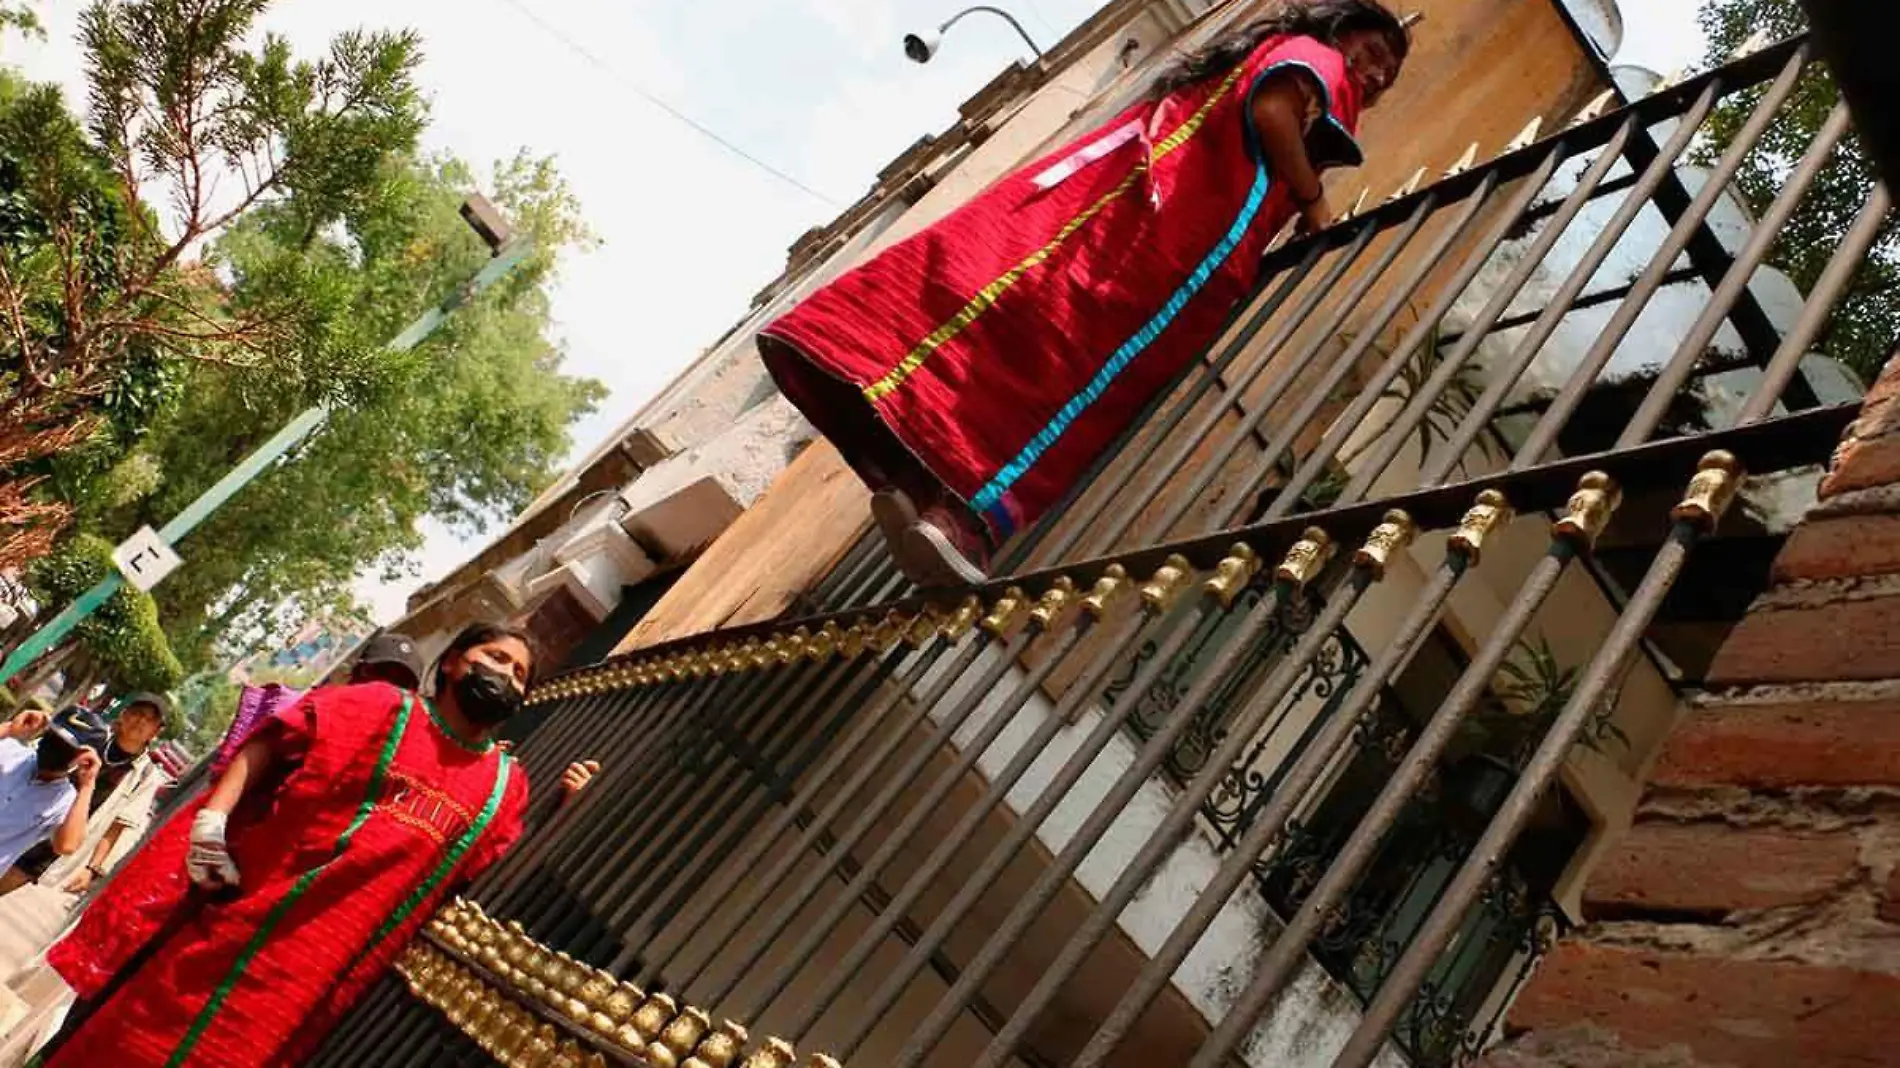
point(921, 48)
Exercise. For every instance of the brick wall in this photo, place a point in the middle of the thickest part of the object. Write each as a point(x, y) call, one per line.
point(1751, 916)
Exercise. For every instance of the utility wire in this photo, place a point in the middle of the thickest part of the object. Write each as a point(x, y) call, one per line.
point(687, 120)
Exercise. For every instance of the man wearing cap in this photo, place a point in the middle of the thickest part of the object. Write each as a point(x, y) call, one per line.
point(46, 788)
point(121, 804)
point(390, 658)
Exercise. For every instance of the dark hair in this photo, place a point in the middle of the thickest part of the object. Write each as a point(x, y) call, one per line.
point(481, 634)
point(1324, 20)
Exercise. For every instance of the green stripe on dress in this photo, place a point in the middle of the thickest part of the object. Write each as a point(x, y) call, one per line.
point(449, 861)
point(252, 948)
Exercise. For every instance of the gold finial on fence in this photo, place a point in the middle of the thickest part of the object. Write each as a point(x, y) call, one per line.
point(1755, 42)
point(1307, 558)
point(1464, 162)
point(1718, 478)
point(823, 1060)
point(720, 1048)
point(852, 644)
point(1053, 603)
point(1233, 574)
point(1394, 532)
point(677, 1039)
point(1526, 137)
point(1595, 109)
point(922, 627)
point(1159, 593)
point(1108, 587)
point(1411, 186)
point(1358, 206)
point(1484, 518)
point(775, 1053)
point(959, 623)
point(1588, 510)
point(1006, 612)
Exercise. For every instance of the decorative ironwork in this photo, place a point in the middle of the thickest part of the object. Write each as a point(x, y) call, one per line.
point(1453, 1016)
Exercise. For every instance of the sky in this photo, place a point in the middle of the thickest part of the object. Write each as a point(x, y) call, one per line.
point(817, 91)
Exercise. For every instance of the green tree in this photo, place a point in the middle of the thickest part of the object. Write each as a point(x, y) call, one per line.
point(122, 643)
point(190, 130)
point(465, 429)
point(1862, 332)
point(17, 16)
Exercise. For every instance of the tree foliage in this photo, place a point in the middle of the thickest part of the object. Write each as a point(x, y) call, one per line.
point(231, 235)
point(1863, 329)
point(123, 636)
point(188, 130)
point(465, 429)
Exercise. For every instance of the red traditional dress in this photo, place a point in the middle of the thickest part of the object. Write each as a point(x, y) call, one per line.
point(382, 811)
point(1009, 343)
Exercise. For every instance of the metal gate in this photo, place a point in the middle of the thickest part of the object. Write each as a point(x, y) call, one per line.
point(846, 836)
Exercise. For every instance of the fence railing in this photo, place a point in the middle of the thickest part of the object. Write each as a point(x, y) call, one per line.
point(862, 831)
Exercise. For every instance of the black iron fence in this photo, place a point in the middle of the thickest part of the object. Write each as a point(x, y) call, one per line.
point(912, 829)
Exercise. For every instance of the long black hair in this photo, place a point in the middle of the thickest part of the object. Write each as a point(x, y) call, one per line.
point(481, 633)
point(1323, 20)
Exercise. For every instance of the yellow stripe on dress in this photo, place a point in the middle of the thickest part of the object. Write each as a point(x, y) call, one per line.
point(986, 297)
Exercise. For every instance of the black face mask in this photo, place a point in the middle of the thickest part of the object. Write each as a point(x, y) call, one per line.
point(56, 754)
point(486, 696)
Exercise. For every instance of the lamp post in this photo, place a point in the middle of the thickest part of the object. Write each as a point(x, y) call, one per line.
point(921, 47)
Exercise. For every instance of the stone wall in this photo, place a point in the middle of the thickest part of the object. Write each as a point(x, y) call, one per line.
point(1751, 916)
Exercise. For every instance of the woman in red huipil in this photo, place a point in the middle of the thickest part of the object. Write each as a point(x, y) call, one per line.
point(971, 372)
point(254, 919)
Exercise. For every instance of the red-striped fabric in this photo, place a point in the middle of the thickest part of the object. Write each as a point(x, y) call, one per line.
point(1007, 344)
point(310, 968)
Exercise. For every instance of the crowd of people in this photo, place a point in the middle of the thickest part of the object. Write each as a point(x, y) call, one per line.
point(328, 826)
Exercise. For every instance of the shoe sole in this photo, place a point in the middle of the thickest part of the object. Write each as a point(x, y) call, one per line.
point(933, 554)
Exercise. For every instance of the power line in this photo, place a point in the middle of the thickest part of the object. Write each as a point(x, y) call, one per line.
point(687, 120)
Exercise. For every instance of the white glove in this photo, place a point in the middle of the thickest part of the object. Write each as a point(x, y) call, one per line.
point(208, 863)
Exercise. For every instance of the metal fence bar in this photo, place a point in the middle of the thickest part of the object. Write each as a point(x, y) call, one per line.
point(1216, 594)
point(1467, 346)
point(1080, 692)
point(1835, 278)
point(1505, 375)
point(699, 858)
point(1367, 568)
point(896, 796)
point(1152, 482)
point(1290, 376)
point(1544, 438)
point(700, 902)
point(665, 783)
point(1760, 241)
point(1283, 442)
point(704, 790)
point(1258, 314)
point(892, 912)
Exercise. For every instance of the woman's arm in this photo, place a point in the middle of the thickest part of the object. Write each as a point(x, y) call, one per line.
point(1280, 112)
point(252, 763)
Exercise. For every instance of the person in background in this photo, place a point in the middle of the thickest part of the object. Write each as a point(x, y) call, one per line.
point(255, 918)
point(391, 658)
point(972, 372)
point(121, 802)
point(46, 788)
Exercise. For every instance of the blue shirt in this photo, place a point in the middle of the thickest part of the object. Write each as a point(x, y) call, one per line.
point(29, 808)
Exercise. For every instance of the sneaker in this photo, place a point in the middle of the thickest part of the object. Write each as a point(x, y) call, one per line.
point(937, 550)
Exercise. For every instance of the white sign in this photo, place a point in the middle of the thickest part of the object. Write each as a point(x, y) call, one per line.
point(144, 559)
